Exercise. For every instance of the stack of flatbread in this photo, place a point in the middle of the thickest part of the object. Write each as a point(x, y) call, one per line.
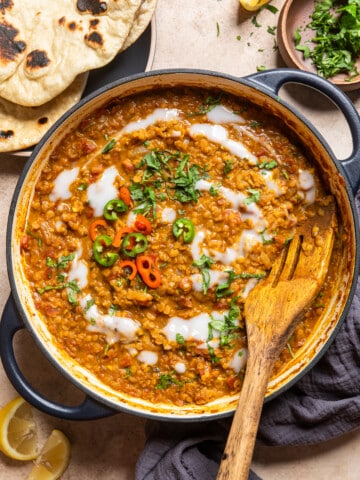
point(47, 48)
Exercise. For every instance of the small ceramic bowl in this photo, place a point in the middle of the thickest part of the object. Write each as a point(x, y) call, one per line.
point(294, 15)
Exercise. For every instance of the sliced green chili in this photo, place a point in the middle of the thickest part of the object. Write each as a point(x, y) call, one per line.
point(133, 244)
point(109, 146)
point(184, 228)
point(113, 207)
point(103, 257)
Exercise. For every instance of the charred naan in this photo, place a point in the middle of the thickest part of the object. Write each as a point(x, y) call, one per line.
point(141, 21)
point(21, 127)
point(45, 45)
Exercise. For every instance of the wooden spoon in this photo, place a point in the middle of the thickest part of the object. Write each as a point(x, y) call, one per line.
point(272, 310)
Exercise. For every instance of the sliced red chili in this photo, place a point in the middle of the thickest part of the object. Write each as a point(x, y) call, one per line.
point(120, 234)
point(125, 196)
point(148, 271)
point(131, 265)
point(143, 225)
point(100, 222)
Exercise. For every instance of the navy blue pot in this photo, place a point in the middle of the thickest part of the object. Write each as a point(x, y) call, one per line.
point(342, 178)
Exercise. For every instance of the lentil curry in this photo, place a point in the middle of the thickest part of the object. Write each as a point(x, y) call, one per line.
point(150, 224)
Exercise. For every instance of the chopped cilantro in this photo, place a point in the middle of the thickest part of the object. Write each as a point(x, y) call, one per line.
point(268, 165)
point(336, 43)
point(33, 235)
point(61, 263)
point(205, 275)
point(166, 380)
point(254, 196)
point(72, 287)
point(228, 166)
point(228, 326)
point(271, 8)
point(180, 339)
point(204, 262)
point(210, 104)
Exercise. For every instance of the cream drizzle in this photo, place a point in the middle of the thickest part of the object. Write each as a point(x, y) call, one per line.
point(148, 357)
point(307, 186)
point(196, 327)
point(180, 367)
point(79, 270)
point(62, 183)
point(115, 329)
point(238, 360)
point(216, 277)
point(221, 114)
point(219, 134)
point(159, 114)
point(100, 192)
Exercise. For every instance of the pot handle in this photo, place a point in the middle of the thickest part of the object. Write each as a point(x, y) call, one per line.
point(274, 79)
point(10, 323)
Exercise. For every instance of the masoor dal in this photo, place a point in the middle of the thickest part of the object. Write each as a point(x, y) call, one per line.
point(150, 224)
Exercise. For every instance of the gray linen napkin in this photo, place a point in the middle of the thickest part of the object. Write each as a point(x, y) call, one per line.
point(322, 405)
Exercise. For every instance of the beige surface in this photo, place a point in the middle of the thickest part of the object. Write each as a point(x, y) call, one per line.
point(201, 34)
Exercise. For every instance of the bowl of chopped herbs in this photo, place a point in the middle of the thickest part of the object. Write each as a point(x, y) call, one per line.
point(322, 36)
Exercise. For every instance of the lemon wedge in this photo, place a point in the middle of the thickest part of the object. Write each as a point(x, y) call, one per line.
point(18, 438)
point(53, 458)
point(252, 5)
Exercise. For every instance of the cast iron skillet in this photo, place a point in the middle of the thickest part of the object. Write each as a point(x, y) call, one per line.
point(268, 85)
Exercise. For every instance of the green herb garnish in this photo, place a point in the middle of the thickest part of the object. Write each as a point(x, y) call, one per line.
point(109, 146)
point(210, 104)
point(268, 165)
point(335, 46)
point(72, 287)
point(254, 196)
point(166, 380)
point(204, 262)
point(63, 262)
point(228, 166)
point(180, 339)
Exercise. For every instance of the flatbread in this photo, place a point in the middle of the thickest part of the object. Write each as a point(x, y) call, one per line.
point(46, 44)
point(23, 127)
point(142, 19)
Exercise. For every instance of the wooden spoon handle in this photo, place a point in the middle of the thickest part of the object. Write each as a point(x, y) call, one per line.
point(239, 448)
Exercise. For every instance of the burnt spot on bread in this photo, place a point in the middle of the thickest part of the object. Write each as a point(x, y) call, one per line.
point(5, 134)
point(6, 5)
point(95, 7)
point(94, 23)
point(43, 120)
point(94, 39)
point(9, 47)
point(37, 59)
point(72, 25)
